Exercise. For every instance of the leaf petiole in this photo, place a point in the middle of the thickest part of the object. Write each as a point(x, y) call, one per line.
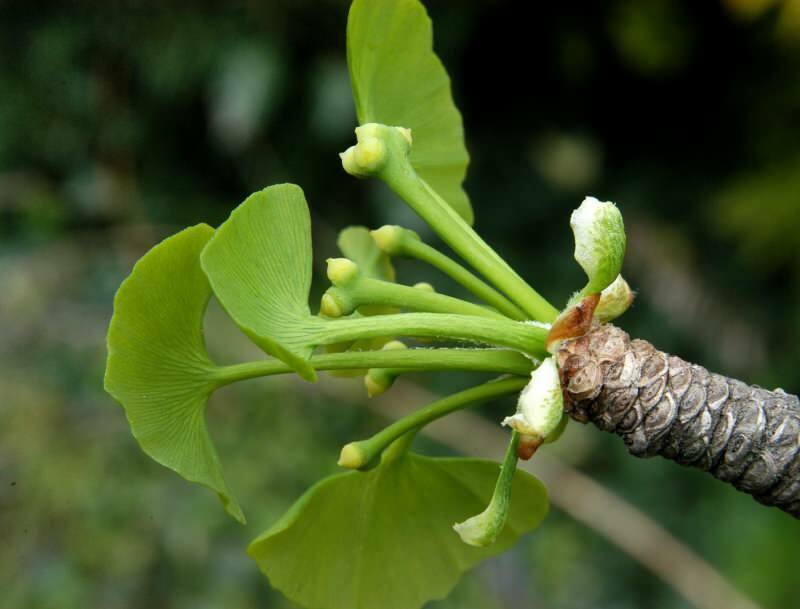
point(528, 338)
point(474, 360)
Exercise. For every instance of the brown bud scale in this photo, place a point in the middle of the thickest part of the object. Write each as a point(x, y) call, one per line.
point(661, 405)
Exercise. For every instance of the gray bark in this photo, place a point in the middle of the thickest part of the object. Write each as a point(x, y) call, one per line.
point(661, 405)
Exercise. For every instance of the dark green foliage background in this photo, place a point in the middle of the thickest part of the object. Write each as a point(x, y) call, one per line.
point(119, 125)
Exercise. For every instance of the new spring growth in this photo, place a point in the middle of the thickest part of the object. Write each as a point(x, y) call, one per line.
point(599, 243)
point(380, 380)
point(369, 155)
point(599, 249)
point(540, 408)
point(614, 300)
point(482, 529)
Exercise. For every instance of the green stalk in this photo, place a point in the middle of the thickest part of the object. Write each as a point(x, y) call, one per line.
point(357, 455)
point(415, 248)
point(400, 176)
point(474, 360)
point(482, 529)
point(368, 291)
point(399, 448)
point(523, 337)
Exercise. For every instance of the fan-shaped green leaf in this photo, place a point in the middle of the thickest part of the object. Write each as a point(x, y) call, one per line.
point(259, 265)
point(384, 538)
point(158, 367)
point(398, 80)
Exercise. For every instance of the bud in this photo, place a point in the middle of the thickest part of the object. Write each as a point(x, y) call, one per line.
point(335, 303)
point(391, 239)
point(365, 158)
point(349, 163)
point(380, 380)
point(424, 286)
point(368, 130)
point(352, 456)
point(614, 300)
point(540, 406)
point(342, 271)
point(599, 242)
point(370, 154)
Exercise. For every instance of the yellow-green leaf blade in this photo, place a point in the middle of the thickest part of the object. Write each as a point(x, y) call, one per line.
point(158, 367)
point(259, 266)
point(398, 80)
point(384, 538)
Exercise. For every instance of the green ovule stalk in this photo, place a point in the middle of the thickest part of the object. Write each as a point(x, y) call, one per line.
point(399, 241)
point(356, 455)
point(352, 290)
point(390, 162)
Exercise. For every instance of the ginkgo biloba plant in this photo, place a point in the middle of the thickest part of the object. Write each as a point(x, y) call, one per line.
point(400, 528)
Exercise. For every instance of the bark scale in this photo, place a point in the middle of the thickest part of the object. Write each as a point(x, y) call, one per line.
point(662, 405)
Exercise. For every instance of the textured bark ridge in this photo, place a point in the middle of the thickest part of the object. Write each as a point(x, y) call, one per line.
point(662, 405)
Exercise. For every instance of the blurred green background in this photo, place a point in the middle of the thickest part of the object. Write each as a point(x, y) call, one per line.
point(121, 124)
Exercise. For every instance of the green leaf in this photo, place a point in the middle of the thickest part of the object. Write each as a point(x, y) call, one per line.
point(599, 242)
point(398, 80)
point(357, 244)
point(259, 265)
point(158, 367)
point(384, 538)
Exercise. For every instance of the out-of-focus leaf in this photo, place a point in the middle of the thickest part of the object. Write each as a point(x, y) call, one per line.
point(653, 38)
point(398, 80)
point(244, 94)
point(158, 367)
point(760, 211)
